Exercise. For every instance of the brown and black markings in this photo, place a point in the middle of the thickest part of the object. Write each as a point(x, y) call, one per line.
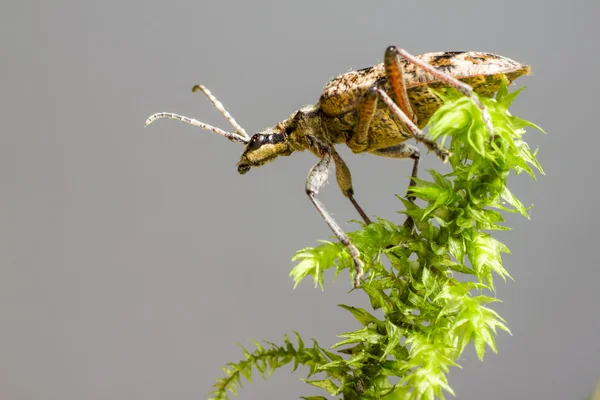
point(374, 110)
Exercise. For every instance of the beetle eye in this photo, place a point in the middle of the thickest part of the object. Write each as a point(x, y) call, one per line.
point(256, 141)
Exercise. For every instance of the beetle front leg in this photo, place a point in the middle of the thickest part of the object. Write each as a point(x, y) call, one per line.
point(316, 178)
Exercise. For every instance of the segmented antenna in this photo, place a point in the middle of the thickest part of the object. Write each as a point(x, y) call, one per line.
point(234, 137)
point(239, 137)
point(219, 106)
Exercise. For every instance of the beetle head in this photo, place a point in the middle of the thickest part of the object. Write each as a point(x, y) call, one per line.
point(263, 147)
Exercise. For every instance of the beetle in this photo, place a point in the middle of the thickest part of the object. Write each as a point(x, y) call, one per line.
point(373, 110)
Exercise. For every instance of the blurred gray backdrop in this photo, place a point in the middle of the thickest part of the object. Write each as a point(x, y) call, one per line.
point(133, 259)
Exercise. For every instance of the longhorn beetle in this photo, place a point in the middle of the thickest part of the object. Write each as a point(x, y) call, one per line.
point(374, 110)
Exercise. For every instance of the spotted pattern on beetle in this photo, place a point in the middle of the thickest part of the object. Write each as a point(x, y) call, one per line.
point(368, 113)
point(482, 71)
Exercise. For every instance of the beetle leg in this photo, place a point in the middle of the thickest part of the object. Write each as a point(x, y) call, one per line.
point(419, 136)
point(344, 180)
point(234, 137)
point(395, 76)
point(359, 141)
point(404, 150)
point(316, 178)
point(447, 79)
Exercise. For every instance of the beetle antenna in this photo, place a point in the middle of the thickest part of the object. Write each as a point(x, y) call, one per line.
point(219, 106)
point(234, 137)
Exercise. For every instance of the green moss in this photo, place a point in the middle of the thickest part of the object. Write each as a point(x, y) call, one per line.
point(429, 315)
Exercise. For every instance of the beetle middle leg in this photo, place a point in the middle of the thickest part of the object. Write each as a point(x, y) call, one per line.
point(344, 180)
point(368, 103)
point(316, 178)
point(359, 141)
point(415, 132)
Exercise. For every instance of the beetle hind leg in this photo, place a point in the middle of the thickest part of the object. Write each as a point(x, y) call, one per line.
point(394, 52)
point(394, 74)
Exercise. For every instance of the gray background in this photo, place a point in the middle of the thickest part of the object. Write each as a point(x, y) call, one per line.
point(133, 259)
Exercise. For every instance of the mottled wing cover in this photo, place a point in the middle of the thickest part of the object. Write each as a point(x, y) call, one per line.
point(482, 71)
